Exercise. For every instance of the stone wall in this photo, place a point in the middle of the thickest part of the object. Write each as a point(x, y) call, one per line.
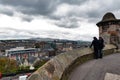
point(60, 67)
point(110, 33)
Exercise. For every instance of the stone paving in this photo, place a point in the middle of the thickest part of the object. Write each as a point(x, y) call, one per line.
point(110, 76)
point(97, 68)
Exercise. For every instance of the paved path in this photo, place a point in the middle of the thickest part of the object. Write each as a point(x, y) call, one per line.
point(96, 69)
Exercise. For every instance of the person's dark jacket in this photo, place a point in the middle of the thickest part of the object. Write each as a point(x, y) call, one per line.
point(101, 44)
point(95, 44)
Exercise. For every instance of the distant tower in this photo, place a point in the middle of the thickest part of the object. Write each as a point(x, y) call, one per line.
point(109, 29)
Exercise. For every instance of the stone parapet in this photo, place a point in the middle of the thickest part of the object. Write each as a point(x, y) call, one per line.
point(59, 67)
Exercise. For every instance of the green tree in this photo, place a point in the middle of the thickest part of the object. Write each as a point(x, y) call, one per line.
point(8, 65)
point(37, 45)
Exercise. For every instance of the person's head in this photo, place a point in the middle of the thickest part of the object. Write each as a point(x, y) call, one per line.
point(94, 38)
point(100, 38)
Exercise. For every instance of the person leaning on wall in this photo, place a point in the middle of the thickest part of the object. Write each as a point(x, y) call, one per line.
point(95, 44)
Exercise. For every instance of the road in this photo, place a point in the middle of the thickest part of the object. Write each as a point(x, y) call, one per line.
point(97, 68)
point(16, 77)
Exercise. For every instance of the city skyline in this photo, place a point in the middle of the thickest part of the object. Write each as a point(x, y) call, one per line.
point(62, 19)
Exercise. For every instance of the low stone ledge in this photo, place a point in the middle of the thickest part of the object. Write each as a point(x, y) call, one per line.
point(60, 66)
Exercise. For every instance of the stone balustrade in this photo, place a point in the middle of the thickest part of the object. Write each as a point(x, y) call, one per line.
point(60, 67)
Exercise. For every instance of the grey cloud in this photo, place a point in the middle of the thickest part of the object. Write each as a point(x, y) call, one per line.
point(68, 23)
point(28, 19)
point(47, 7)
point(78, 2)
point(32, 7)
point(10, 33)
point(94, 16)
point(7, 33)
point(16, 31)
point(59, 35)
point(9, 13)
point(38, 7)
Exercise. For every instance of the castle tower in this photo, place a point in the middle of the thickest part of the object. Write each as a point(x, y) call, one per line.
point(109, 29)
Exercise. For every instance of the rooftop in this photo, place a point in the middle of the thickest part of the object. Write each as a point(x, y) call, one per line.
point(107, 18)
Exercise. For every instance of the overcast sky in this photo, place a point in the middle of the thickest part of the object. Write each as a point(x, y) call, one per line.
point(63, 19)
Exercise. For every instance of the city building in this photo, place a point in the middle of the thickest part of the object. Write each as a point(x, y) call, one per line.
point(46, 49)
point(68, 46)
point(20, 53)
point(109, 29)
point(8, 44)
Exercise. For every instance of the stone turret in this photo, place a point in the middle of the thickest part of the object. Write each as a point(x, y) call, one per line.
point(109, 29)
